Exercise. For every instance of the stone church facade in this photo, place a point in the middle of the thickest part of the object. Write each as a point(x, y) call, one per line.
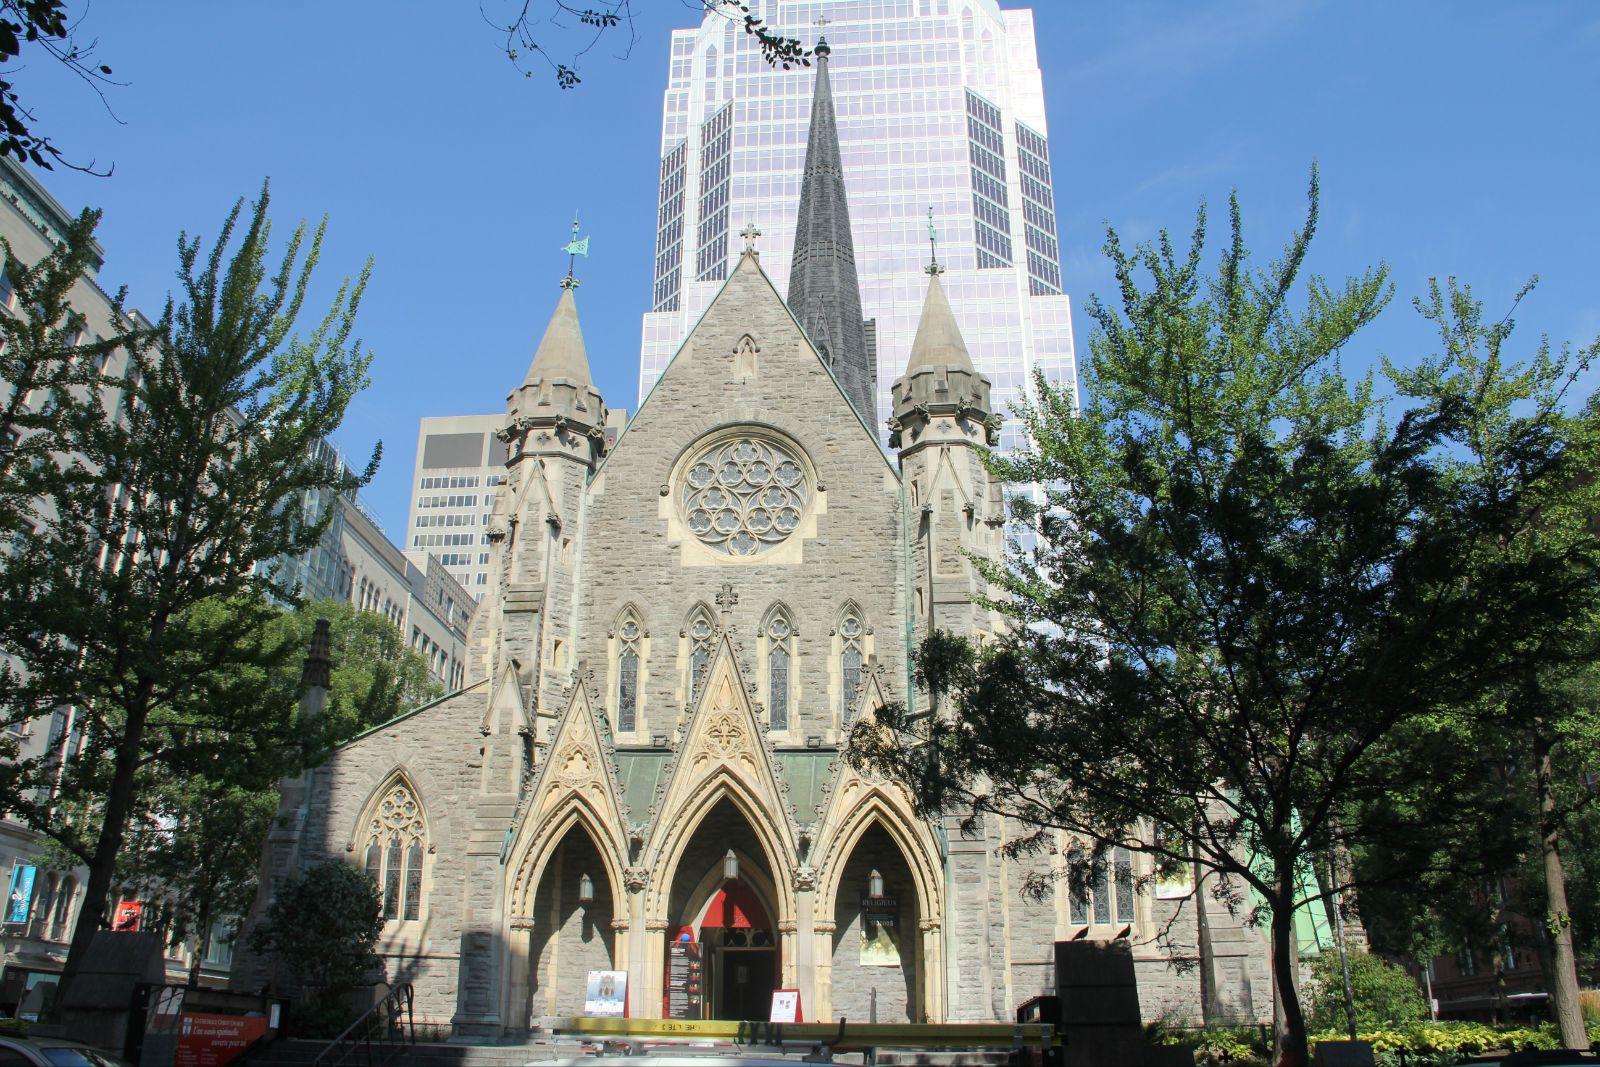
point(678, 633)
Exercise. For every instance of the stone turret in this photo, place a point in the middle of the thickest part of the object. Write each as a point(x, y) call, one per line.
point(943, 420)
point(557, 409)
point(941, 398)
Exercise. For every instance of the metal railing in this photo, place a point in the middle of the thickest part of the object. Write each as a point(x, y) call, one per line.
point(381, 1033)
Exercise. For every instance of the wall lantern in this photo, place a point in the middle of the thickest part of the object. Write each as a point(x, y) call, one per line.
point(875, 884)
point(586, 890)
point(730, 867)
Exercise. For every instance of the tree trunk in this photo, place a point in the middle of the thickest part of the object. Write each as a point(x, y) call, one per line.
point(1289, 1022)
point(113, 825)
point(202, 944)
point(1558, 920)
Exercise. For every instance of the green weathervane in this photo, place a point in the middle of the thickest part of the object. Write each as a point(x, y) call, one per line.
point(574, 248)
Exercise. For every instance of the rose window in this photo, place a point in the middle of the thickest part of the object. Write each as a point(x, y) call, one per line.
point(742, 495)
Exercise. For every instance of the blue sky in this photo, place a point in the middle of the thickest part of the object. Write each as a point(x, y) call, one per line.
point(1454, 138)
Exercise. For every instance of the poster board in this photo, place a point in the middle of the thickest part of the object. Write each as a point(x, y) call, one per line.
point(127, 917)
point(684, 995)
point(607, 994)
point(785, 1006)
point(19, 902)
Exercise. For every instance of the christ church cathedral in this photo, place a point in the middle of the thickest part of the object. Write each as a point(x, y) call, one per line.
point(642, 775)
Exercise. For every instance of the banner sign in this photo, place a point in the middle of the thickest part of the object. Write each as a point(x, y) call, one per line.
point(20, 901)
point(207, 1040)
point(607, 995)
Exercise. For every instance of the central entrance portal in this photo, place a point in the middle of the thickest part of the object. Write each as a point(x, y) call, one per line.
point(722, 900)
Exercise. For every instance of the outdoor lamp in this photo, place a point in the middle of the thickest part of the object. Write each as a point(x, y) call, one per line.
point(874, 884)
point(586, 890)
point(730, 867)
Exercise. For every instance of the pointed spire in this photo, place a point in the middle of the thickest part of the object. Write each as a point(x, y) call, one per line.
point(938, 342)
point(824, 292)
point(561, 353)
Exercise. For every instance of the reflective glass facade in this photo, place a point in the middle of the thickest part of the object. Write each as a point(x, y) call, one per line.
point(939, 105)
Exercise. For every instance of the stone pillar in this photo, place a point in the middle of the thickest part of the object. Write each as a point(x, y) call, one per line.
point(635, 879)
point(519, 964)
point(654, 960)
point(930, 970)
point(823, 940)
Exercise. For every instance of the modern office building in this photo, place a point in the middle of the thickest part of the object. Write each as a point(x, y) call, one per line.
point(939, 106)
point(460, 460)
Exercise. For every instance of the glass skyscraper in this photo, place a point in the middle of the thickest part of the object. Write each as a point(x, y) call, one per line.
point(940, 105)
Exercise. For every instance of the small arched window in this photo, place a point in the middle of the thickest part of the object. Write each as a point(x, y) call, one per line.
point(59, 921)
point(700, 633)
point(851, 632)
point(629, 638)
point(780, 658)
point(396, 840)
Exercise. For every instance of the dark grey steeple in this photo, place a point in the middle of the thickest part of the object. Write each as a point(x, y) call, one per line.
point(823, 291)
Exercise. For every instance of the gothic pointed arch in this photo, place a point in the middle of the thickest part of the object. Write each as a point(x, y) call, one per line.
point(577, 786)
point(857, 801)
point(391, 843)
point(724, 755)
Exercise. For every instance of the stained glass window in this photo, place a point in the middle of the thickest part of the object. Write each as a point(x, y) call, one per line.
point(742, 495)
point(393, 859)
point(1124, 876)
point(628, 676)
point(850, 631)
point(778, 633)
point(1077, 884)
point(700, 632)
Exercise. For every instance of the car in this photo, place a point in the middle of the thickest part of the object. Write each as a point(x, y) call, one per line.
point(53, 1052)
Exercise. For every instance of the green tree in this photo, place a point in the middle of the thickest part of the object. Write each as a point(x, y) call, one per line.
point(1525, 461)
point(51, 365)
point(322, 926)
point(1385, 995)
point(181, 493)
point(1244, 605)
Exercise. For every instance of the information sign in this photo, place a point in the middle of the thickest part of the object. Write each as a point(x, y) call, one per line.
point(785, 1006)
point(20, 901)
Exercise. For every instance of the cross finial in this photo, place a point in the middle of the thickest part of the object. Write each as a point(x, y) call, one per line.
point(750, 232)
point(727, 599)
point(934, 266)
point(574, 248)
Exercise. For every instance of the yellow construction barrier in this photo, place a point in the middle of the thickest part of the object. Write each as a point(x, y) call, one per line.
point(837, 1035)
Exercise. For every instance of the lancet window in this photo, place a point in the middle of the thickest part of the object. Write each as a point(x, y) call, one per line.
point(396, 840)
point(851, 634)
point(780, 658)
point(700, 633)
point(629, 642)
point(1100, 889)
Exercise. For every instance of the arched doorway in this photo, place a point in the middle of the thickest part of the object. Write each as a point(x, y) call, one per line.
point(572, 925)
point(722, 915)
point(877, 961)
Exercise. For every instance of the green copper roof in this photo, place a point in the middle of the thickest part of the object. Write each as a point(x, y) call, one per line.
point(807, 773)
point(639, 774)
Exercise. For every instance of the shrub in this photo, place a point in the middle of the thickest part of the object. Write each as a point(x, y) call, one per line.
point(322, 927)
point(1385, 995)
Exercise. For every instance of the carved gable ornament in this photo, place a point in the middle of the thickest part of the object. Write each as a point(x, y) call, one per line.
point(723, 745)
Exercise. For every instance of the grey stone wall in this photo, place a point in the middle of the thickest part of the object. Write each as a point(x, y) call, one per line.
point(855, 553)
point(853, 983)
